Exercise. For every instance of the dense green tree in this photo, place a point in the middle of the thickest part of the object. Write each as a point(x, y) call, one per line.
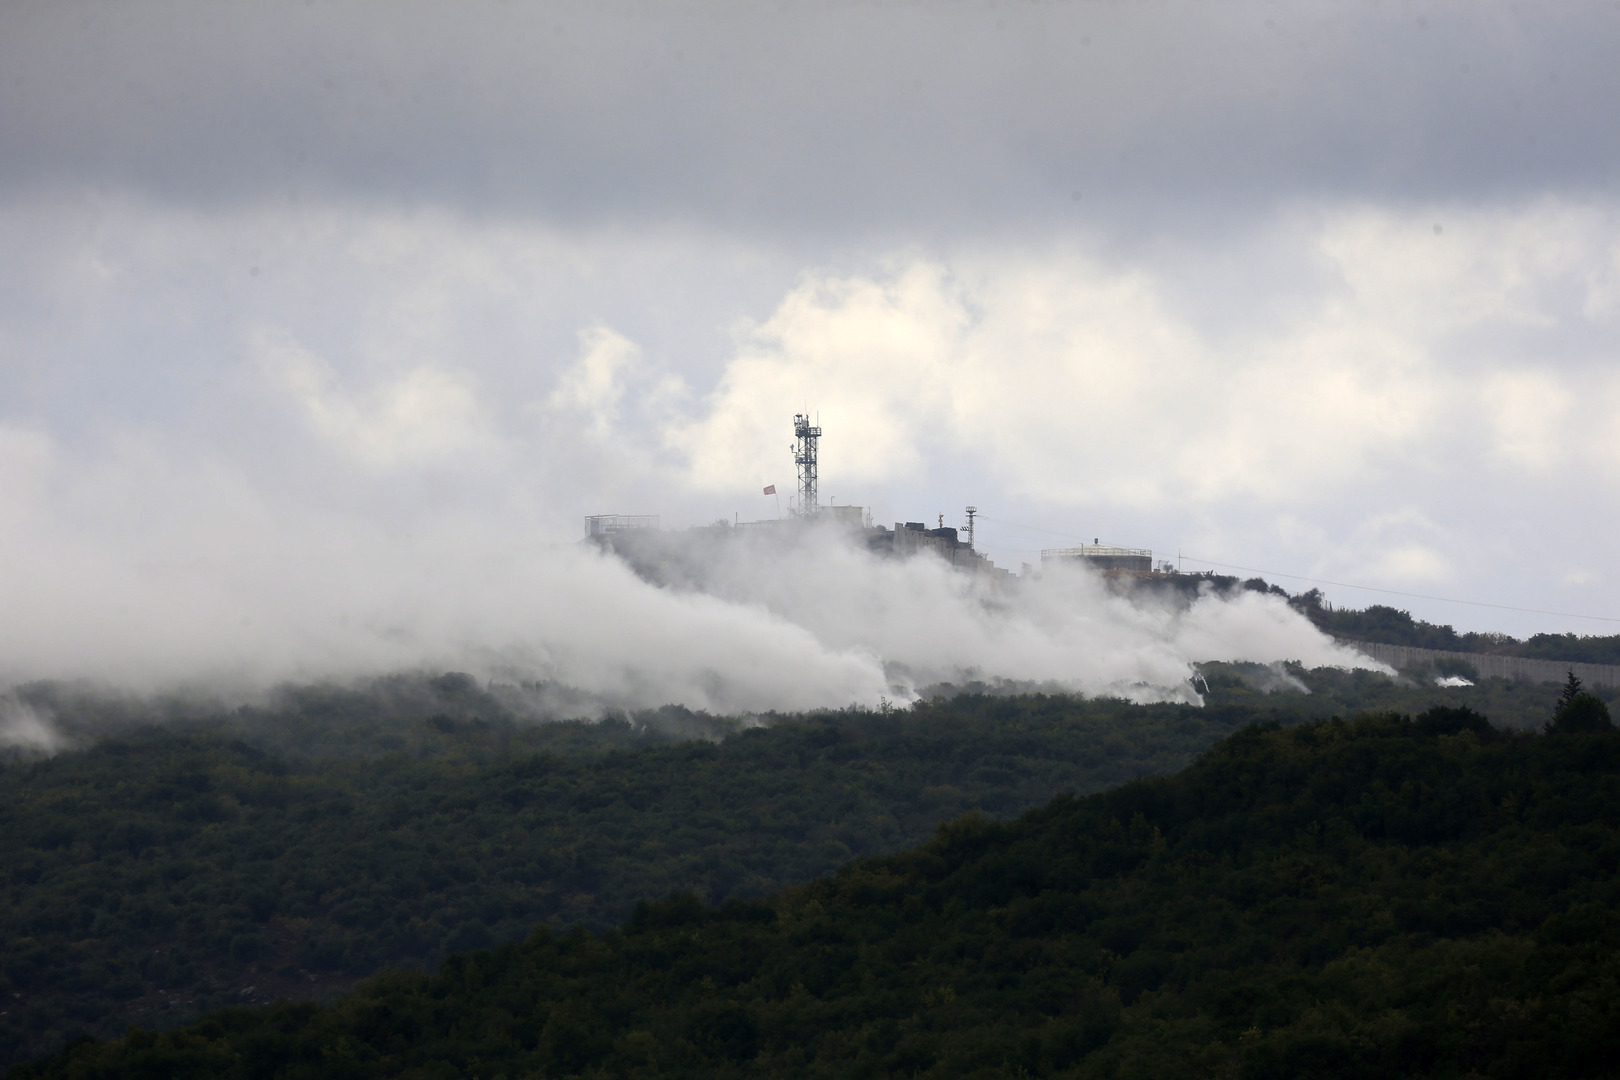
point(1394, 626)
point(1428, 897)
point(1578, 711)
point(175, 869)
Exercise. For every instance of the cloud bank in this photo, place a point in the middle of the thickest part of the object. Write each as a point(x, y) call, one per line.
point(806, 621)
point(861, 120)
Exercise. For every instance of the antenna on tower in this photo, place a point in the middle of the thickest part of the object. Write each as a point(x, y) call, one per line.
point(805, 457)
point(971, 511)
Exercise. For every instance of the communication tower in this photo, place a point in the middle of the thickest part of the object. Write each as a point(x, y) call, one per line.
point(971, 511)
point(804, 456)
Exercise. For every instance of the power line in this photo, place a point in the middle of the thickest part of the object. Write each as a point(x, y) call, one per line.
point(1031, 528)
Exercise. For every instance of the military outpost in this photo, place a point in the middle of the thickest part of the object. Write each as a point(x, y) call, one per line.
point(907, 539)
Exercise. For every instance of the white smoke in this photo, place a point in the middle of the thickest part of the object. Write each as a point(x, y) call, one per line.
point(149, 577)
point(929, 623)
point(747, 625)
point(26, 729)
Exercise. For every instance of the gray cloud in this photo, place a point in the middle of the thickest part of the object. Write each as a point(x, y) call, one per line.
point(882, 121)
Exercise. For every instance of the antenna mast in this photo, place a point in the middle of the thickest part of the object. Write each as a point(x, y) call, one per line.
point(971, 511)
point(805, 457)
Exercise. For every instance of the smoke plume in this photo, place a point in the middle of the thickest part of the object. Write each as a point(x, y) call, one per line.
point(26, 730)
point(728, 621)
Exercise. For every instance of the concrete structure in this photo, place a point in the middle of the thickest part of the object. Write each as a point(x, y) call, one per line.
point(1103, 557)
point(608, 524)
point(1489, 665)
point(637, 536)
point(911, 538)
point(853, 516)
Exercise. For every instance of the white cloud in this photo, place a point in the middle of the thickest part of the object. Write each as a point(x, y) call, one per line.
point(209, 590)
point(881, 355)
point(1529, 412)
point(595, 385)
point(27, 459)
point(1483, 268)
point(426, 366)
point(1078, 382)
point(1404, 547)
point(423, 415)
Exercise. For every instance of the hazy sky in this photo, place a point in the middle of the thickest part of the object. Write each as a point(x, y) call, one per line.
point(294, 293)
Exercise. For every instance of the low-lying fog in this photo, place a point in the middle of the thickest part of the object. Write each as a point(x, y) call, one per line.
point(727, 622)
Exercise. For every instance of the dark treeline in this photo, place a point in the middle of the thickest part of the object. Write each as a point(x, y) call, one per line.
point(1296, 694)
point(1368, 898)
point(285, 851)
point(172, 869)
point(1393, 626)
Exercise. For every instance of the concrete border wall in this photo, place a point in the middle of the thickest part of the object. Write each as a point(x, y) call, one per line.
point(1490, 665)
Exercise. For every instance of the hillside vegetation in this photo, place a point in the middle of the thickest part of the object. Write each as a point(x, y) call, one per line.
point(1366, 898)
point(174, 869)
point(1393, 626)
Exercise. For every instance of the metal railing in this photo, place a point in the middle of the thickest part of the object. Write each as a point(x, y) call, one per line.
point(603, 524)
point(1096, 551)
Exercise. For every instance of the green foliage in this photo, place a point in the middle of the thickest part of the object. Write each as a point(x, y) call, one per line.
point(1577, 647)
point(1578, 711)
point(1324, 692)
point(1583, 713)
point(1392, 626)
point(1366, 898)
point(1380, 622)
point(413, 715)
point(177, 869)
point(1571, 691)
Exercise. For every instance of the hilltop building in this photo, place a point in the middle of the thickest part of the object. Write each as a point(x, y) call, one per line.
point(637, 536)
point(609, 524)
point(907, 538)
point(1103, 557)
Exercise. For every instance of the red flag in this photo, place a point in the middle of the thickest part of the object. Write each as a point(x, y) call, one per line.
point(771, 490)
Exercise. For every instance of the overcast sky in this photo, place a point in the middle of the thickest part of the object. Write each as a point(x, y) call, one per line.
point(1329, 290)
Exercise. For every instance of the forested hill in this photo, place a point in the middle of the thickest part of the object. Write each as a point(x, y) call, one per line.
point(1371, 898)
point(171, 870)
point(284, 852)
point(1393, 626)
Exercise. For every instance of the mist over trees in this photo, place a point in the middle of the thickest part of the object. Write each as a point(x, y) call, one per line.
point(1381, 623)
point(173, 869)
point(1393, 626)
point(176, 860)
